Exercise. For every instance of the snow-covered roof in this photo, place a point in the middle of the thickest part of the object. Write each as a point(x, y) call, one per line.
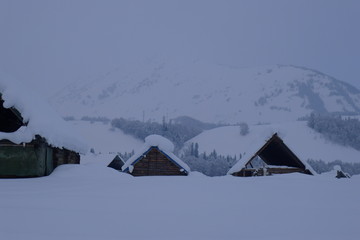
point(253, 148)
point(163, 144)
point(42, 119)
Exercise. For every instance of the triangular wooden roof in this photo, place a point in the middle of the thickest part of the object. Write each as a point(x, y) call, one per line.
point(116, 163)
point(275, 153)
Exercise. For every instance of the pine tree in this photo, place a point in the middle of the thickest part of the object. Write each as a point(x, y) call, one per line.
point(196, 150)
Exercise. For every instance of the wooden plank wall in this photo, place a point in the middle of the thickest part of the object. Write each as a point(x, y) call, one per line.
point(64, 156)
point(270, 171)
point(154, 164)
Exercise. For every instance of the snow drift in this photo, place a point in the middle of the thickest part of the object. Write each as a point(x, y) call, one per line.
point(42, 120)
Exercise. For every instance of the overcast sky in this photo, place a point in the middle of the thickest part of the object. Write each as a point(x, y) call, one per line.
point(52, 43)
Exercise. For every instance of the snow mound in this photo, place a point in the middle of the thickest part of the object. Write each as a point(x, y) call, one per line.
point(86, 173)
point(159, 141)
point(196, 174)
point(42, 119)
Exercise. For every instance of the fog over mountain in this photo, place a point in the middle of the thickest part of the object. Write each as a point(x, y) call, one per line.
point(211, 93)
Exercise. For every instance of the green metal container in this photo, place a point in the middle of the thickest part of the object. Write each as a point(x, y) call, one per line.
point(33, 159)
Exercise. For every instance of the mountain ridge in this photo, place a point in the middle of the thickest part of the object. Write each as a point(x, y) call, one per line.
point(211, 93)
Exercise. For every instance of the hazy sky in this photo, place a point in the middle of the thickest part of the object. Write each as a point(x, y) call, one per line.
point(52, 43)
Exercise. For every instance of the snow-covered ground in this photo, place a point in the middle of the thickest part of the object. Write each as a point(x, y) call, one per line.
point(89, 201)
point(302, 140)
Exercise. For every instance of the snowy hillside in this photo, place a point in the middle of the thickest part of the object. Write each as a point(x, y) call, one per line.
point(302, 140)
point(90, 202)
point(102, 138)
point(211, 93)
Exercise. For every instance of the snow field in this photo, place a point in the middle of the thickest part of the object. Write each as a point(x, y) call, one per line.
point(91, 202)
point(103, 139)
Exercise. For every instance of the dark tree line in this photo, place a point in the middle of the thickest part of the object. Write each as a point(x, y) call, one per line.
point(210, 164)
point(336, 129)
point(177, 133)
point(104, 120)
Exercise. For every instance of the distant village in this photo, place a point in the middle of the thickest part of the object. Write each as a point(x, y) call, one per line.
point(34, 141)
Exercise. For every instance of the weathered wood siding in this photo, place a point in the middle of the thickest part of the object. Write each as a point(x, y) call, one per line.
point(286, 170)
point(269, 171)
point(64, 156)
point(155, 163)
point(244, 173)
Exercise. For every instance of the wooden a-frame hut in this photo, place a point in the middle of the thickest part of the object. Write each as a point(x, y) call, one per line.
point(34, 146)
point(274, 157)
point(155, 159)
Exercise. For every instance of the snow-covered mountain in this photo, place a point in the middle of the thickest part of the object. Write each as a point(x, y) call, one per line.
point(211, 93)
